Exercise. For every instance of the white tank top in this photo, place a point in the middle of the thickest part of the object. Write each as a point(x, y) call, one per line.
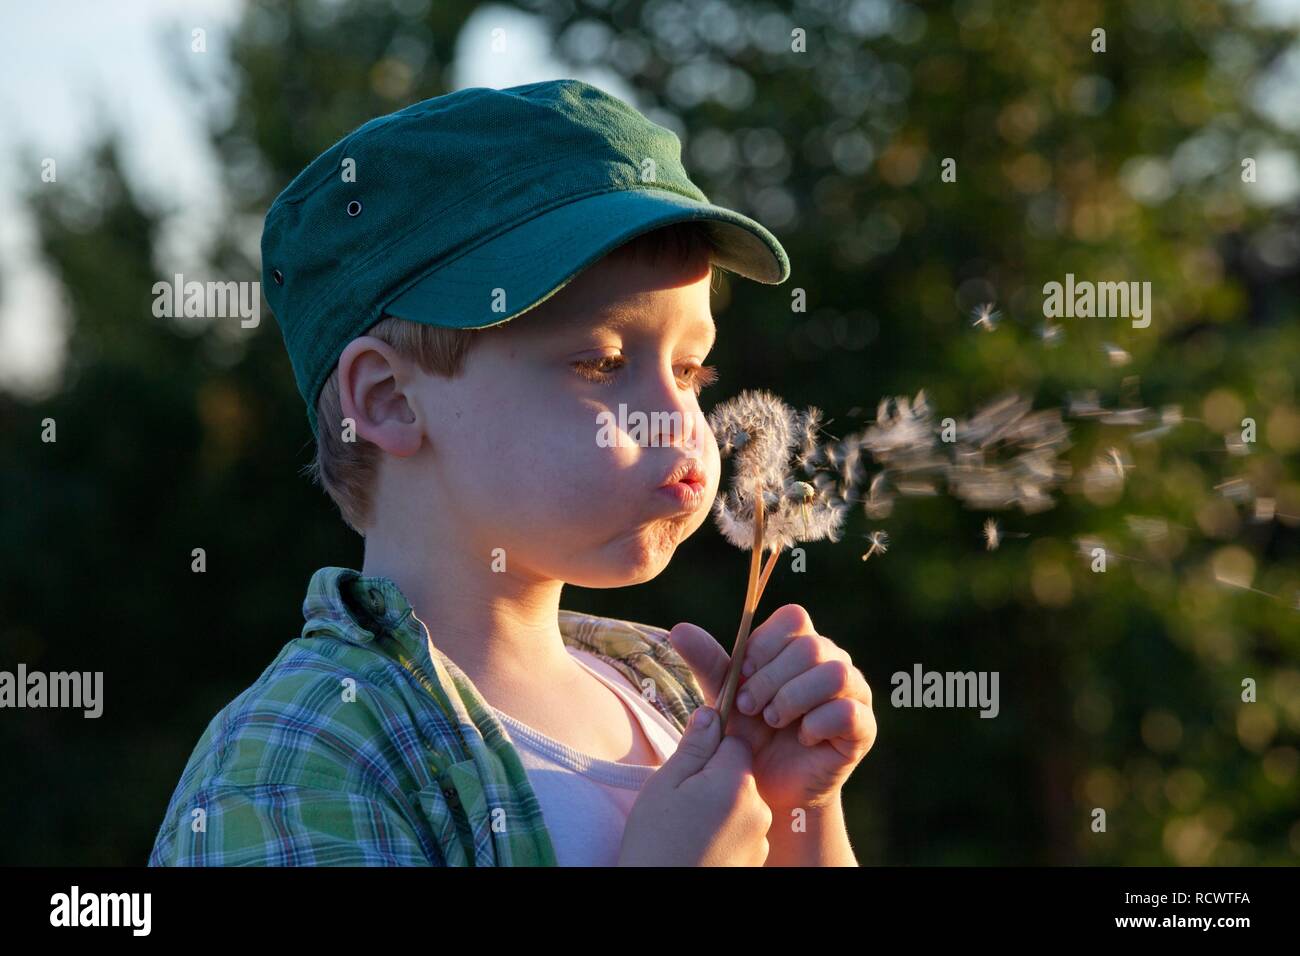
point(585, 800)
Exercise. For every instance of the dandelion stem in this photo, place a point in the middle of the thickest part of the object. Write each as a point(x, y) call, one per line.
point(767, 573)
point(728, 695)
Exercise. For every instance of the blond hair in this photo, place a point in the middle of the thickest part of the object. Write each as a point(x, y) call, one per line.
point(347, 469)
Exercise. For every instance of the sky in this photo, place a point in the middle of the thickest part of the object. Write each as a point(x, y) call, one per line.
point(71, 68)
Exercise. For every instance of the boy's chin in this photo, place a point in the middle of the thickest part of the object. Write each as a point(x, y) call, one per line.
point(638, 556)
point(609, 577)
point(622, 573)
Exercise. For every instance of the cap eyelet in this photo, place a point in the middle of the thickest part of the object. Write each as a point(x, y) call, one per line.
point(354, 208)
point(278, 276)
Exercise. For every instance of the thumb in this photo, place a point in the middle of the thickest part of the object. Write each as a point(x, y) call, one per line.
point(704, 655)
point(695, 749)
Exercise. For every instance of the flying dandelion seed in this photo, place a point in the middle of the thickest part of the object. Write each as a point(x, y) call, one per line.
point(1171, 416)
point(879, 544)
point(878, 504)
point(1127, 416)
point(1235, 489)
point(1151, 434)
point(1237, 584)
point(1088, 545)
point(1115, 355)
point(1117, 462)
point(1150, 530)
point(809, 426)
point(994, 535)
point(1233, 444)
point(985, 316)
point(918, 488)
point(1051, 335)
point(1084, 405)
point(793, 481)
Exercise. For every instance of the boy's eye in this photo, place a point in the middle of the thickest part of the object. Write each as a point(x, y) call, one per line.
point(702, 376)
point(598, 370)
point(602, 370)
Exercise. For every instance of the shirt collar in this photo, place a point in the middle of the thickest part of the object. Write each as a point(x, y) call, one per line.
point(349, 606)
point(358, 608)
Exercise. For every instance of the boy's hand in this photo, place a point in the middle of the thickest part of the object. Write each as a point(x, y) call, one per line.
point(701, 807)
point(802, 706)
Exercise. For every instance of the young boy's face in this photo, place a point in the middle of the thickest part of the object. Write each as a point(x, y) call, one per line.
point(515, 457)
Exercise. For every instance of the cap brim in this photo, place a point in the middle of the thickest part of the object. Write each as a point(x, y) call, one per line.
point(536, 259)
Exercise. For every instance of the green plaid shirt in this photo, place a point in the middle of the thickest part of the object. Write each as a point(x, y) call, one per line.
point(357, 746)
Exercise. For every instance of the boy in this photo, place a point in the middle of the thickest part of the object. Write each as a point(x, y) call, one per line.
point(466, 288)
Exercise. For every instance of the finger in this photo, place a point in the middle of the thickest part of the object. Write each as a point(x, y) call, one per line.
point(733, 758)
point(695, 749)
point(802, 654)
point(770, 638)
point(704, 655)
point(811, 689)
point(846, 722)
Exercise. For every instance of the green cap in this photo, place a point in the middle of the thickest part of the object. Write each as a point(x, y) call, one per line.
point(469, 209)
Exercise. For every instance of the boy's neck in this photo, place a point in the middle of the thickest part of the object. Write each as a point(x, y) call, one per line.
point(501, 630)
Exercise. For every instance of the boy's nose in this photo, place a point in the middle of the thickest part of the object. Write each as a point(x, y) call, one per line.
point(678, 424)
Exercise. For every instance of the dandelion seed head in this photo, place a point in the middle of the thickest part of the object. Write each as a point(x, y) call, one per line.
point(733, 442)
point(991, 537)
point(779, 442)
point(758, 430)
point(801, 492)
point(793, 521)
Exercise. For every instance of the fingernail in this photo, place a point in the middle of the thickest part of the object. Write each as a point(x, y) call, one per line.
point(701, 718)
point(745, 701)
point(747, 668)
point(770, 715)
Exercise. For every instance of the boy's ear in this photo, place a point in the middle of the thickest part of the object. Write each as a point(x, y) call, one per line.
point(375, 385)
